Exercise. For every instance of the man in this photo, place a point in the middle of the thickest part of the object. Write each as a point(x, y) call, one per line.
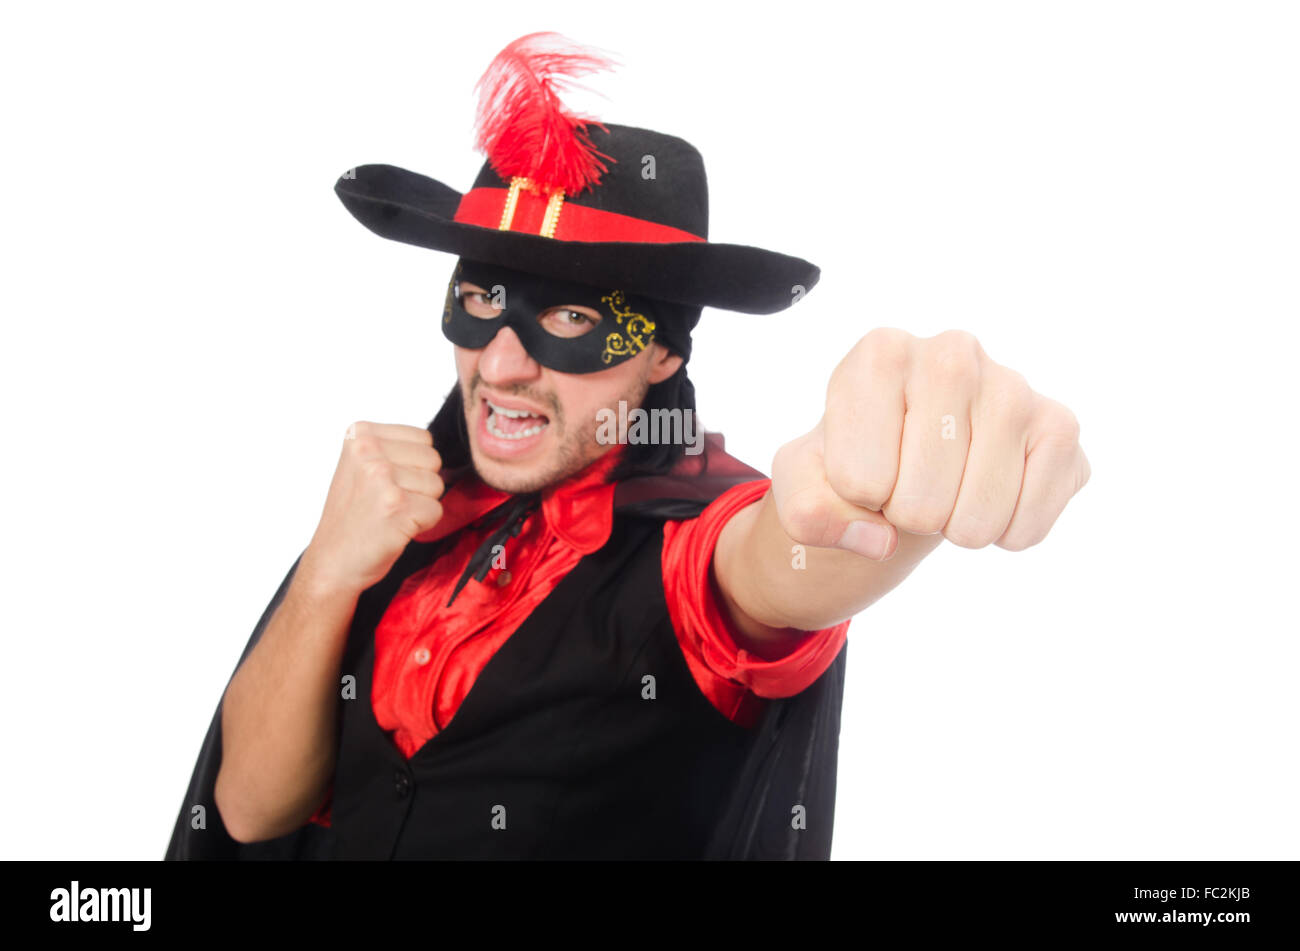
point(512, 636)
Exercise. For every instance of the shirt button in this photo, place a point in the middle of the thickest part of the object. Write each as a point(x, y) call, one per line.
point(421, 656)
point(401, 784)
point(503, 579)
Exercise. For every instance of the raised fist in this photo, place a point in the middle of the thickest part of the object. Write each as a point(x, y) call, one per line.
point(385, 491)
point(927, 436)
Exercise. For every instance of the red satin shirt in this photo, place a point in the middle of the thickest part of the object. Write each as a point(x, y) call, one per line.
point(428, 655)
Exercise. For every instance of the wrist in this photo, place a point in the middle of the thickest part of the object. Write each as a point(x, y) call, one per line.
point(318, 584)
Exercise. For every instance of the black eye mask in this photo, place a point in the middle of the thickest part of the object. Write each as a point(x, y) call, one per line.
point(627, 323)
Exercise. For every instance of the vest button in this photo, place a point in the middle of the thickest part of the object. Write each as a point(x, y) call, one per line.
point(503, 579)
point(401, 784)
point(421, 656)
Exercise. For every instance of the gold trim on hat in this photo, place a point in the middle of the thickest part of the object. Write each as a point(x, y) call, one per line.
point(554, 204)
point(512, 199)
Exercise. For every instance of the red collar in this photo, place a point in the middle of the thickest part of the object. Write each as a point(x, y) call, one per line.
point(580, 509)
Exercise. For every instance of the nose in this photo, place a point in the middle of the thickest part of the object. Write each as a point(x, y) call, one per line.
point(504, 360)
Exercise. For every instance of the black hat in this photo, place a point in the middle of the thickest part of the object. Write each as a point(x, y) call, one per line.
point(546, 201)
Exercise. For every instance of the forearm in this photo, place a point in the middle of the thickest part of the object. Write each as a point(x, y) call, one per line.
point(279, 711)
point(786, 586)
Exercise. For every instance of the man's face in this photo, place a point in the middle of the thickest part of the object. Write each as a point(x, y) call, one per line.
point(527, 453)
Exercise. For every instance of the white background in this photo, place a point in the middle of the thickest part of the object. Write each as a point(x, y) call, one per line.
point(1104, 193)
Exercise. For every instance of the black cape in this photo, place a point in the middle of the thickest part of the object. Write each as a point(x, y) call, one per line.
point(793, 757)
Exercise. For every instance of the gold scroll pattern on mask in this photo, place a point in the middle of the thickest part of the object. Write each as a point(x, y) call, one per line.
point(637, 333)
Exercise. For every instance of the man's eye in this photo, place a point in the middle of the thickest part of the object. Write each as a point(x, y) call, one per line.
point(566, 322)
point(478, 303)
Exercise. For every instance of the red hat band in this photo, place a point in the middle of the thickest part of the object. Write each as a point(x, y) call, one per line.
point(530, 208)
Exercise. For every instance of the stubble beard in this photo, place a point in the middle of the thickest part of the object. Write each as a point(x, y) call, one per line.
point(578, 447)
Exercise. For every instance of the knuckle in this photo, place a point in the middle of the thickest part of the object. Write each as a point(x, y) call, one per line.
point(363, 445)
point(1011, 397)
point(1085, 471)
point(390, 500)
point(1018, 541)
point(1063, 424)
point(379, 469)
point(917, 514)
point(804, 518)
point(786, 461)
point(858, 488)
point(1057, 424)
point(970, 532)
point(884, 349)
point(962, 340)
point(955, 358)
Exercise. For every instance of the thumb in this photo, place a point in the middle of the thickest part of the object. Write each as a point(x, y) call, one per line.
point(812, 514)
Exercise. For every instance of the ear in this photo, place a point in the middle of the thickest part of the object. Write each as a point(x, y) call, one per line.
point(663, 363)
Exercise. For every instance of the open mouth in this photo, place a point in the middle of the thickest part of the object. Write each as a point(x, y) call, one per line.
point(513, 424)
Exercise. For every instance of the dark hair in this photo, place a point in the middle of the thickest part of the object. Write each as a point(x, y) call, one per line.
point(677, 392)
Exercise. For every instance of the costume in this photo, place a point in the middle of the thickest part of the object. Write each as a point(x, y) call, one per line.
point(558, 732)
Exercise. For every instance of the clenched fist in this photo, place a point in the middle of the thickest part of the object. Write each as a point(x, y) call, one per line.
point(385, 491)
point(926, 436)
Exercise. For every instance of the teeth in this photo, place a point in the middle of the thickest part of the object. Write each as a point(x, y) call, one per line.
point(531, 431)
point(512, 413)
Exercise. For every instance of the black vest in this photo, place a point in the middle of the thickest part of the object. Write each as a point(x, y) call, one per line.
point(585, 736)
point(564, 747)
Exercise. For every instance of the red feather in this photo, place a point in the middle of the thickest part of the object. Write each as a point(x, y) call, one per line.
point(523, 126)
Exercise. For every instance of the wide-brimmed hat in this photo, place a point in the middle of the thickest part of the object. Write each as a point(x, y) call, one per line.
point(560, 196)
